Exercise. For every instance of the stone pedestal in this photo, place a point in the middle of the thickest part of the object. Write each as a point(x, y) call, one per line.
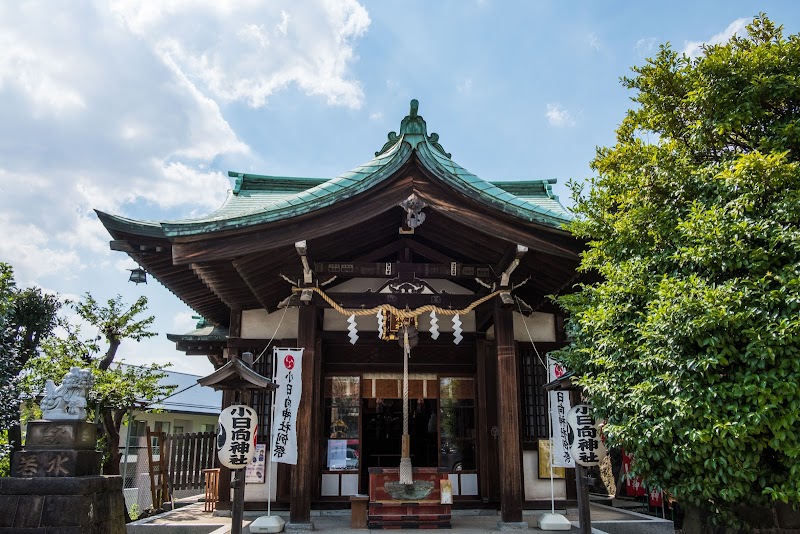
point(67, 505)
point(58, 449)
point(57, 487)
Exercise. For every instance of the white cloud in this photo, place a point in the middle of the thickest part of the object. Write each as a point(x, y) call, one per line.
point(229, 54)
point(132, 111)
point(558, 116)
point(32, 252)
point(183, 322)
point(593, 41)
point(253, 32)
point(283, 26)
point(376, 116)
point(645, 46)
point(695, 48)
point(37, 73)
point(465, 86)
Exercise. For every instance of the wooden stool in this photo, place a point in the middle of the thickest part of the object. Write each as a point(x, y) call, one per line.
point(358, 511)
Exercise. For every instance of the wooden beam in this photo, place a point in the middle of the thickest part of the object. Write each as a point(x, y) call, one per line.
point(303, 478)
point(401, 300)
point(508, 415)
point(427, 251)
point(451, 271)
point(381, 252)
point(250, 282)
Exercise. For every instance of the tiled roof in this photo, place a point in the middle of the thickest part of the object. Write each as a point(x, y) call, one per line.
point(257, 199)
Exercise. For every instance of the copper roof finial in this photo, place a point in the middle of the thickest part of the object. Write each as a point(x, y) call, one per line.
point(414, 109)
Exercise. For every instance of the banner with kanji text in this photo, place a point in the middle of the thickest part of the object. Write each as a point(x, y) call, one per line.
point(289, 379)
point(559, 408)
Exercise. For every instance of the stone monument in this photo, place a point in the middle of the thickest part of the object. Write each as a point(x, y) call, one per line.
point(56, 482)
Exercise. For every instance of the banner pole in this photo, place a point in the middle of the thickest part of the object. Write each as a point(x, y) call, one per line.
point(271, 433)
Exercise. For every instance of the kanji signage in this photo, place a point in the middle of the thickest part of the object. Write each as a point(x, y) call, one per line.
point(236, 438)
point(559, 408)
point(634, 487)
point(587, 446)
point(289, 379)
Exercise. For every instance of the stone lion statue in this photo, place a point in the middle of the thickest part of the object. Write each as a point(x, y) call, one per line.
point(67, 401)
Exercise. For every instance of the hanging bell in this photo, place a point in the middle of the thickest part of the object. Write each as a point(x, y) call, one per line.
point(413, 335)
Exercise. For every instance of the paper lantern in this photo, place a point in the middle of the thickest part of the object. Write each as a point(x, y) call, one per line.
point(236, 437)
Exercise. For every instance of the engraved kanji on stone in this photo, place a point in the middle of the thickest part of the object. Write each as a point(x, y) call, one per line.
point(56, 465)
point(27, 466)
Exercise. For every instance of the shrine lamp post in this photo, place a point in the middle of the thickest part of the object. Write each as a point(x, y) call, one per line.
point(236, 434)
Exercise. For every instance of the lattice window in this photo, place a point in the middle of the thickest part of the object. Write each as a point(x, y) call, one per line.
point(534, 400)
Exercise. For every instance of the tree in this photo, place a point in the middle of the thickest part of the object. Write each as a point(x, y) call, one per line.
point(26, 318)
point(117, 388)
point(689, 343)
point(9, 356)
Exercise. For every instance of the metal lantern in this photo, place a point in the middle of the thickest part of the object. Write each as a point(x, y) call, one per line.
point(138, 276)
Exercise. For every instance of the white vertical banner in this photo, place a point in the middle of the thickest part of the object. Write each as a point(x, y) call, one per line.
point(559, 408)
point(289, 379)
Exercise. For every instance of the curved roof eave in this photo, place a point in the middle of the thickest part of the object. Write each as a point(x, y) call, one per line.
point(337, 189)
point(124, 224)
point(474, 187)
point(396, 152)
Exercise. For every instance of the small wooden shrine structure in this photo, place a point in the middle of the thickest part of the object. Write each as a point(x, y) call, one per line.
point(317, 263)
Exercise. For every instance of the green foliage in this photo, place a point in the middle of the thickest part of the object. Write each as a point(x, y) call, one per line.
point(5, 459)
point(117, 388)
point(26, 317)
point(689, 344)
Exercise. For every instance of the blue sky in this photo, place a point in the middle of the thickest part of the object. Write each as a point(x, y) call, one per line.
point(141, 108)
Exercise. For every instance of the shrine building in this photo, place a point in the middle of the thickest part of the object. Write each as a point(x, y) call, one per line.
point(322, 263)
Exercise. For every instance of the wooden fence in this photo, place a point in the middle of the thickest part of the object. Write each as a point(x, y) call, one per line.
point(177, 462)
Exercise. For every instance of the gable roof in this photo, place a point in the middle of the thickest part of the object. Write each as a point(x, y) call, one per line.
point(259, 199)
point(241, 255)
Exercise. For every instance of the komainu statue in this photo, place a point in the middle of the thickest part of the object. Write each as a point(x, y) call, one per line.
point(67, 401)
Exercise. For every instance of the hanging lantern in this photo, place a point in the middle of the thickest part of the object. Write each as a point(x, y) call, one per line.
point(138, 276)
point(236, 437)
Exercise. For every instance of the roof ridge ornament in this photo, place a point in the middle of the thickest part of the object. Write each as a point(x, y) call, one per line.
point(413, 125)
point(413, 206)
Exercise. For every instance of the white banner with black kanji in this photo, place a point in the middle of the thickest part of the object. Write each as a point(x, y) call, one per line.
point(289, 379)
point(559, 408)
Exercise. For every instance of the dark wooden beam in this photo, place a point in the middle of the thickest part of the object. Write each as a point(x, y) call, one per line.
point(393, 269)
point(381, 252)
point(427, 251)
point(303, 478)
point(250, 282)
point(401, 300)
point(508, 416)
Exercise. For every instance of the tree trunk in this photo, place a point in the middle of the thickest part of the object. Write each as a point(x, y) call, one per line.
point(695, 521)
point(113, 345)
point(112, 442)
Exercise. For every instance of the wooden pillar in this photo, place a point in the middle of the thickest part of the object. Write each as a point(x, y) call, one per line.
point(487, 416)
point(228, 398)
point(510, 473)
point(303, 477)
point(317, 418)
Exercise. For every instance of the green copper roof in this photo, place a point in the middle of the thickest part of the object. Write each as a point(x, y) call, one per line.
point(258, 199)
